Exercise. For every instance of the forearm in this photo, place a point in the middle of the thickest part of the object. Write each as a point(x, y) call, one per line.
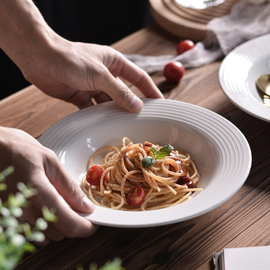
point(23, 32)
point(72, 71)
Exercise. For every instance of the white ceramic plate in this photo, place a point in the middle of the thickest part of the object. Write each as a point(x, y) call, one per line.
point(219, 150)
point(239, 71)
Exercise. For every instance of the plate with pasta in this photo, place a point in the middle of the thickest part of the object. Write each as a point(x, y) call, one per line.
point(171, 162)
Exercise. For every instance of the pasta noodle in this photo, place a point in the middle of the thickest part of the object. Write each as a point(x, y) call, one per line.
point(169, 181)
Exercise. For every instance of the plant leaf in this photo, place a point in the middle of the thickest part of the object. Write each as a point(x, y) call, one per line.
point(17, 240)
point(27, 191)
point(9, 170)
point(164, 151)
point(16, 211)
point(3, 186)
point(37, 236)
point(48, 214)
point(27, 230)
point(5, 212)
point(113, 265)
point(10, 231)
point(9, 222)
point(148, 161)
point(153, 150)
point(17, 200)
point(41, 224)
point(28, 247)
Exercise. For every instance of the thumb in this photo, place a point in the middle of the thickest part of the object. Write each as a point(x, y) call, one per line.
point(67, 187)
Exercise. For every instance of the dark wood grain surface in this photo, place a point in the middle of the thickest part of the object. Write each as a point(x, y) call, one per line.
point(244, 220)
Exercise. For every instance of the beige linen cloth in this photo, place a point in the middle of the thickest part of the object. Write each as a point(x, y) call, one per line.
point(248, 19)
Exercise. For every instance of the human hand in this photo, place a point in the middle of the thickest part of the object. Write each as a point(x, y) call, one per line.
point(36, 165)
point(76, 72)
point(72, 71)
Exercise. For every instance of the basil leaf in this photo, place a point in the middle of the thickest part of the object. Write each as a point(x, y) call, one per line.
point(153, 150)
point(148, 161)
point(164, 151)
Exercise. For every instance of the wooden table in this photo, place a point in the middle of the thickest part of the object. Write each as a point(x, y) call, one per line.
point(186, 22)
point(241, 221)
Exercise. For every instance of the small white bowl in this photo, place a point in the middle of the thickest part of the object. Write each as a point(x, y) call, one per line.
point(219, 150)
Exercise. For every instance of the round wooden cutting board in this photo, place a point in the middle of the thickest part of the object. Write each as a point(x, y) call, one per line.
point(186, 22)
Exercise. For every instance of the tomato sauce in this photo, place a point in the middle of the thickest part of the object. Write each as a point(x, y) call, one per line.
point(182, 180)
point(185, 180)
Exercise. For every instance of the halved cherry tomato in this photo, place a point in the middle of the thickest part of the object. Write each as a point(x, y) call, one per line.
point(135, 196)
point(173, 71)
point(94, 174)
point(184, 46)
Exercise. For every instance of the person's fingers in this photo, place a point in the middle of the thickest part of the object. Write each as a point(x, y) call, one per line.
point(31, 215)
point(65, 185)
point(81, 99)
point(53, 233)
point(69, 223)
point(102, 97)
point(120, 93)
point(136, 76)
point(36, 165)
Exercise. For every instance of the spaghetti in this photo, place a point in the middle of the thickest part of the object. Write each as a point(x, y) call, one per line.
point(126, 183)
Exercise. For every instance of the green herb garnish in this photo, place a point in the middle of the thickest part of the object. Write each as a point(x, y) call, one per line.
point(158, 154)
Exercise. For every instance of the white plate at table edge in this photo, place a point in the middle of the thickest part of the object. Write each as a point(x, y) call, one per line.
point(239, 71)
point(232, 145)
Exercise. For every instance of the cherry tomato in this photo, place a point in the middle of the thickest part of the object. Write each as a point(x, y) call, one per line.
point(135, 196)
point(184, 46)
point(93, 175)
point(173, 71)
